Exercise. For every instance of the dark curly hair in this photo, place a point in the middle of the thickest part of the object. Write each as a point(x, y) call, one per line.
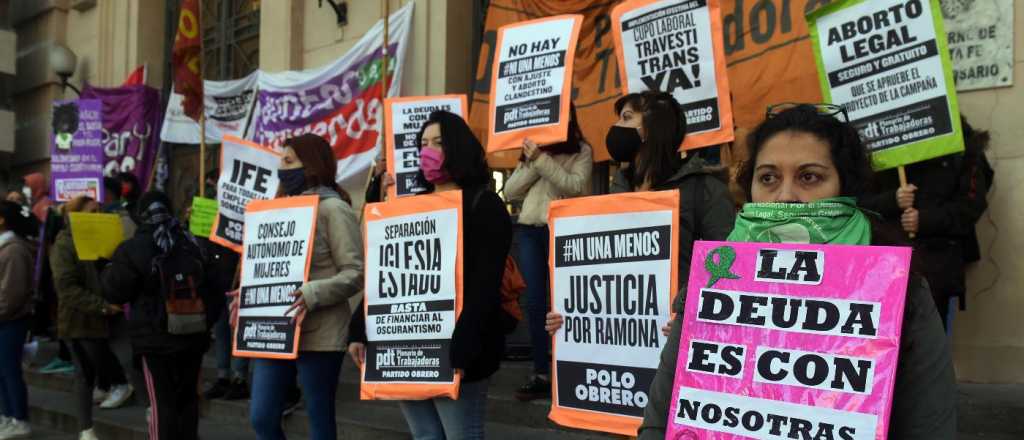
point(849, 155)
point(65, 118)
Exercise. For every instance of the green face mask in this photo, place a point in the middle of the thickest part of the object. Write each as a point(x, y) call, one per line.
point(827, 221)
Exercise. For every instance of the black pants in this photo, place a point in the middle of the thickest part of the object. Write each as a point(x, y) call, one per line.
point(95, 367)
point(172, 382)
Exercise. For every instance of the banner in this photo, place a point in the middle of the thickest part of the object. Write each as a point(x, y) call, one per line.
point(613, 276)
point(76, 155)
point(131, 122)
point(275, 263)
point(413, 296)
point(531, 82)
point(980, 38)
point(95, 235)
point(248, 172)
point(228, 109)
point(340, 101)
point(187, 58)
point(887, 64)
point(405, 117)
point(675, 46)
point(789, 341)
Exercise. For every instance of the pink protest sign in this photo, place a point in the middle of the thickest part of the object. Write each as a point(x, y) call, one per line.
point(786, 341)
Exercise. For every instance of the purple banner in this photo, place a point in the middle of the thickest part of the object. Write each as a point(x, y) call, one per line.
point(131, 128)
point(76, 153)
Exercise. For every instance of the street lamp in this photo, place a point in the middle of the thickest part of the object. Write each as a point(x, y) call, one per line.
point(63, 61)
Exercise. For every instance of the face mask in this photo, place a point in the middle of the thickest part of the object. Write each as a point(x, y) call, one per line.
point(623, 143)
point(293, 181)
point(432, 165)
point(829, 221)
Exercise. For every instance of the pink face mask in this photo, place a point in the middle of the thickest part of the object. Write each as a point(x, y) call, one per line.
point(431, 163)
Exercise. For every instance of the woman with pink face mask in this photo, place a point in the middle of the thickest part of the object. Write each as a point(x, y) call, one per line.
point(451, 158)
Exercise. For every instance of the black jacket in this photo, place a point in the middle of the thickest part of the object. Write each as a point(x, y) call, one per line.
point(478, 342)
point(130, 278)
point(950, 199)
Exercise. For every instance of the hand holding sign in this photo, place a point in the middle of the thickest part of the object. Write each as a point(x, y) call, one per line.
point(299, 307)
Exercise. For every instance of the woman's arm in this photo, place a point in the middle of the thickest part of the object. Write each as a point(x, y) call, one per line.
point(656, 413)
point(69, 283)
point(519, 183)
point(346, 245)
point(571, 181)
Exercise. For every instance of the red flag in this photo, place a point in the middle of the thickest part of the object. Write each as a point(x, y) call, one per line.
point(187, 56)
point(137, 77)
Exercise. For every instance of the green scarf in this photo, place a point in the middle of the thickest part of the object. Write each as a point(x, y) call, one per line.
point(828, 221)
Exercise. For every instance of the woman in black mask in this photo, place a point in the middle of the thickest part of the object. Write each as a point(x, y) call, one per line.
point(645, 141)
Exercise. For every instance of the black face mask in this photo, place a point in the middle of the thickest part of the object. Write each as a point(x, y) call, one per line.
point(623, 143)
point(293, 182)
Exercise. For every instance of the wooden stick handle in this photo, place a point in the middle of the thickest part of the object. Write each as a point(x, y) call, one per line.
point(903, 182)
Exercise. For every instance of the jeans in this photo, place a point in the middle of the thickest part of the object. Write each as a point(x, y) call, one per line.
point(442, 418)
point(95, 367)
point(532, 243)
point(172, 382)
point(227, 365)
point(13, 392)
point(272, 380)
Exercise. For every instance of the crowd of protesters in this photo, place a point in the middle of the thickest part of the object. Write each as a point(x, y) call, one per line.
point(799, 155)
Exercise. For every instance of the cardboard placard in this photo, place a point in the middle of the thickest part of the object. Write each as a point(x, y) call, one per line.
point(413, 296)
point(795, 336)
point(613, 276)
point(96, 235)
point(675, 46)
point(76, 153)
point(405, 118)
point(278, 247)
point(204, 213)
point(248, 173)
point(887, 64)
point(531, 82)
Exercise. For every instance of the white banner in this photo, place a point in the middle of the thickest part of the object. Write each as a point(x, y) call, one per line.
point(340, 102)
point(248, 172)
point(228, 107)
point(980, 36)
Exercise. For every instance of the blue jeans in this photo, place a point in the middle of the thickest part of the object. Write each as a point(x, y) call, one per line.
point(446, 419)
point(13, 392)
point(273, 379)
point(239, 367)
point(532, 243)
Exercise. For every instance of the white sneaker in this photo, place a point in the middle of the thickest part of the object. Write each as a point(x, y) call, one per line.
point(99, 395)
point(16, 429)
point(88, 434)
point(118, 396)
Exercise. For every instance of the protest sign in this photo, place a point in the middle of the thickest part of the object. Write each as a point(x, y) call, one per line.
point(275, 263)
point(413, 296)
point(131, 128)
point(789, 341)
point(204, 212)
point(76, 155)
point(613, 277)
point(405, 117)
point(96, 235)
point(887, 64)
point(228, 109)
point(980, 38)
point(248, 172)
point(340, 102)
point(531, 82)
point(675, 46)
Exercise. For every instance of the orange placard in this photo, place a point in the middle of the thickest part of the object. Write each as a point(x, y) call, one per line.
point(413, 248)
point(405, 118)
point(614, 269)
point(676, 46)
point(278, 247)
point(531, 82)
point(248, 172)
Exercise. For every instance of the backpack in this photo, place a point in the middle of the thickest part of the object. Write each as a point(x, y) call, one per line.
point(181, 276)
point(512, 287)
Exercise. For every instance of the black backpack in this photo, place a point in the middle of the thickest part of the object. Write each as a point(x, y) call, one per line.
point(181, 283)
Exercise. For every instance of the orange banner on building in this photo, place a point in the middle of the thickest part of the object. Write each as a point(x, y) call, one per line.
point(413, 248)
point(767, 49)
point(613, 270)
